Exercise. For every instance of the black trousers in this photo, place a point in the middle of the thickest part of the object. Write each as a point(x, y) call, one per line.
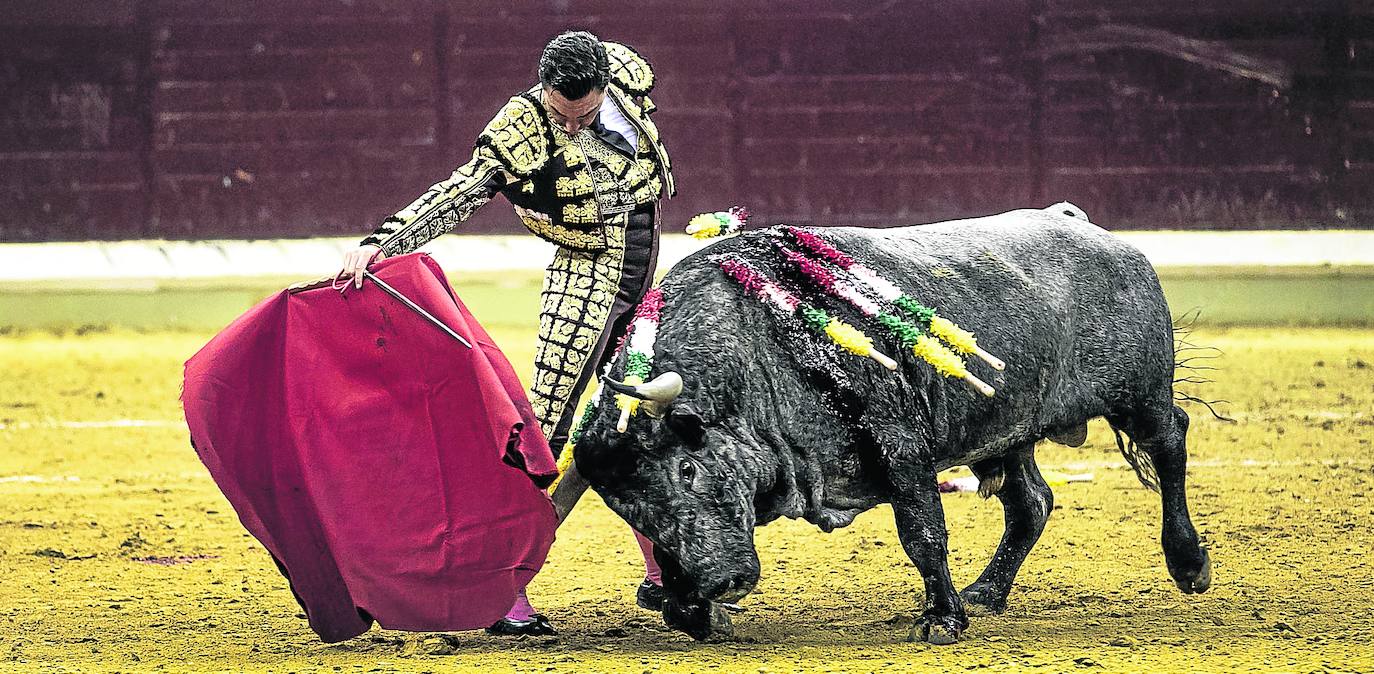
point(637, 276)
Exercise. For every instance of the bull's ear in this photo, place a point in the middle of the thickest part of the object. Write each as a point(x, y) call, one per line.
point(607, 462)
point(687, 423)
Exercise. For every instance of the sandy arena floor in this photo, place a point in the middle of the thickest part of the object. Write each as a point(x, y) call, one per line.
point(117, 552)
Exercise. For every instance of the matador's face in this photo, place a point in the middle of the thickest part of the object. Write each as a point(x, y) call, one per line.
point(573, 115)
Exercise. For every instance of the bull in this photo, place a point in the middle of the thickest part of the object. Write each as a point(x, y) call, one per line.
point(751, 419)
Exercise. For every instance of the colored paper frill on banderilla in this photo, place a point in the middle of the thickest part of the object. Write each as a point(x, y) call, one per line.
point(393, 473)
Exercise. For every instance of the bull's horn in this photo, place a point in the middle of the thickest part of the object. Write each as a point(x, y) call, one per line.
point(658, 393)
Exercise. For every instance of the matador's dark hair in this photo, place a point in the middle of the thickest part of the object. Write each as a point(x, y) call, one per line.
point(574, 64)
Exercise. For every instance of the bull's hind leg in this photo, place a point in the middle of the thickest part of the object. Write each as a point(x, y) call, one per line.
point(1163, 437)
point(1026, 505)
point(921, 528)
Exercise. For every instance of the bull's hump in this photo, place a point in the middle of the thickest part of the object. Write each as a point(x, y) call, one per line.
point(1025, 239)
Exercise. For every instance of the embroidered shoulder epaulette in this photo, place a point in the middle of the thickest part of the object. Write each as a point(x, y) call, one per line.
point(519, 137)
point(629, 70)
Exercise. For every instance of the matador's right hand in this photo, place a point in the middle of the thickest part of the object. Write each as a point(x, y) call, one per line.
point(355, 262)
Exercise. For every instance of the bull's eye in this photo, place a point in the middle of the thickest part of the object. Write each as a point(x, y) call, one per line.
point(687, 471)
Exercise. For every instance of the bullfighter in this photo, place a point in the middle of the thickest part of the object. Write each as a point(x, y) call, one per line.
point(581, 160)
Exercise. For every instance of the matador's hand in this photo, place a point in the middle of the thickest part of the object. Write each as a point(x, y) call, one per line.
point(355, 262)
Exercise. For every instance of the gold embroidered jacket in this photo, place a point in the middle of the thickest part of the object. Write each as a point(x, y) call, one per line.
point(540, 168)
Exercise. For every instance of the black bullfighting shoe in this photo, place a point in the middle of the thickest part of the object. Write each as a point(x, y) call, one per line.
point(650, 596)
point(536, 626)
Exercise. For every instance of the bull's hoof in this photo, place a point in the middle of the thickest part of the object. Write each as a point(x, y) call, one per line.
point(1196, 582)
point(936, 631)
point(982, 600)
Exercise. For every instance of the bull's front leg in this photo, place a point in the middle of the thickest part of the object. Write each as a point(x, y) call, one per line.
point(921, 527)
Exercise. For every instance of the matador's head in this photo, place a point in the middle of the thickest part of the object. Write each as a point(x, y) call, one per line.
point(573, 72)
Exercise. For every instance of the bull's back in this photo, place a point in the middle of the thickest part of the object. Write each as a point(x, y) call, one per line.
point(1076, 312)
point(1063, 269)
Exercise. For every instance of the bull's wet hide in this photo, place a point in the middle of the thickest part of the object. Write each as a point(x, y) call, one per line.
point(787, 425)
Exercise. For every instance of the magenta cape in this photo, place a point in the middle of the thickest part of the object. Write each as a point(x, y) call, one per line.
point(390, 470)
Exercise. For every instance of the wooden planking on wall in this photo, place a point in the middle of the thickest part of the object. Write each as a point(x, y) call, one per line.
point(70, 124)
point(1158, 133)
point(876, 116)
point(290, 121)
point(1207, 198)
point(261, 118)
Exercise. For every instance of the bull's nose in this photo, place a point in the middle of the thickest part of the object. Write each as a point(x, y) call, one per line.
point(736, 589)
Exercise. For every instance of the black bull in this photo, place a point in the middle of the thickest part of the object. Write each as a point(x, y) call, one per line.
point(773, 421)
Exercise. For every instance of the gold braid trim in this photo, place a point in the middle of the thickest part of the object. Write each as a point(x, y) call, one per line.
point(579, 292)
point(442, 207)
point(629, 70)
point(585, 240)
point(519, 137)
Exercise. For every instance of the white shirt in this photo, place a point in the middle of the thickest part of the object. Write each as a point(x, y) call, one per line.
point(612, 118)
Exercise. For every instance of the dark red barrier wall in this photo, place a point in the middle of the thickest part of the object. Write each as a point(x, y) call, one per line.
point(188, 119)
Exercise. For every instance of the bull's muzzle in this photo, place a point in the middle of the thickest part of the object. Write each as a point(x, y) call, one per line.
point(735, 590)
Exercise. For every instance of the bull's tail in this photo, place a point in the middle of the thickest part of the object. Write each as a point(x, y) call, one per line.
point(1190, 369)
point(1141, 461)
point(1190, 363)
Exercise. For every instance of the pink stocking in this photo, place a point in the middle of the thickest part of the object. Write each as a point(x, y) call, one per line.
point(521, 611)
point(651, 571)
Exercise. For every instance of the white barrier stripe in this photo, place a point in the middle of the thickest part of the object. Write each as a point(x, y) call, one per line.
point(96, 264)
point(1077, 466)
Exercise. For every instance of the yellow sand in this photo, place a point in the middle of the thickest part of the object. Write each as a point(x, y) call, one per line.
point(1283, 499)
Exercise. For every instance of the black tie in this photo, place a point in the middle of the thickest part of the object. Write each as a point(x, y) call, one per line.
point(612, 138)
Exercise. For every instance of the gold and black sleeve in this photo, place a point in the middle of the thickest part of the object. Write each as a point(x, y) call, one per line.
point(445, 205)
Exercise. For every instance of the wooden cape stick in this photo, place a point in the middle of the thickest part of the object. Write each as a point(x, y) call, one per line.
point(415, 307)
point(568, 492)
